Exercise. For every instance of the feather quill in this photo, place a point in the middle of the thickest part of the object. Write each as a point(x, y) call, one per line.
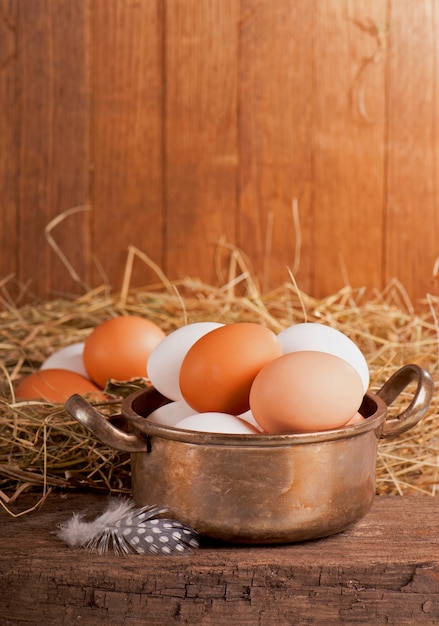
point(129, 530)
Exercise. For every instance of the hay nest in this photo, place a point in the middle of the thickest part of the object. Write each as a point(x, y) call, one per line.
point(43, 448)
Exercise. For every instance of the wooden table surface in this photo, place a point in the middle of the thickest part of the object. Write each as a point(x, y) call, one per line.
point(384, 570)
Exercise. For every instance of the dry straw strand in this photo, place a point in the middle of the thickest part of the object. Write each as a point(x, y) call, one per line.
point(51, 241)
point(43, 448)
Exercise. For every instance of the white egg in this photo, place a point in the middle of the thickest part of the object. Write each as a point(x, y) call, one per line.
point(165, 360)
point(171, 413)
point(213, 422)
point(68, 358)
point(248, 417)
point(321, 338)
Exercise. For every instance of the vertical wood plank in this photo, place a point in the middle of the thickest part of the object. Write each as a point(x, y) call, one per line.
point(201, 133)
point(275, 87)
point(412, 218)
point(127, 136)
point(348, 145)
point(53, 143)
point(8, 144)
point(264, 102)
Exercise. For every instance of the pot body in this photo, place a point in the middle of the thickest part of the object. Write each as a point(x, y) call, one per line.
point(261, 494)
point(258, 488)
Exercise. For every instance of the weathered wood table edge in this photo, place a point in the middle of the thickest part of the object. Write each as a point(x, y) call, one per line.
point(384, 570)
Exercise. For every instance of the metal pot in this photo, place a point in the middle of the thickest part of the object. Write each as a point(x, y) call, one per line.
point(258, 488)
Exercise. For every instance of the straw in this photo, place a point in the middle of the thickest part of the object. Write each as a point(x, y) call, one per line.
point(43, 448)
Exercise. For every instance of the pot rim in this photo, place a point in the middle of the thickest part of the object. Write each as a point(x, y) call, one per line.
point(373, 406)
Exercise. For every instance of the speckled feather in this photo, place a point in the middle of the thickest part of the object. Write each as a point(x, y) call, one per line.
point(129, 530)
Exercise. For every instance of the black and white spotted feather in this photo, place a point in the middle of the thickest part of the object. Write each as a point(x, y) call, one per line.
point(129, 530)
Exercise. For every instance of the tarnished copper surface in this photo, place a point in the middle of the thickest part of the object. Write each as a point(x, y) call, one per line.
point(259, 488)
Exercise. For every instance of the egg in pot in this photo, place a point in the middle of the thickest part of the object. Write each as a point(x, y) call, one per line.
point(164, 363)
point(305, 391)
point(216, 422)
point(171, 413)
point(218, 370)
point(323, 338)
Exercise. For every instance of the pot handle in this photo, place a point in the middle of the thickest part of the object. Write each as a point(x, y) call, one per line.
point(419, 404)
point(102, 427)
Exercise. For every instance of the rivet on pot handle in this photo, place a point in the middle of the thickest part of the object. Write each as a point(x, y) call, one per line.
point(103, 429)
point(419, 404)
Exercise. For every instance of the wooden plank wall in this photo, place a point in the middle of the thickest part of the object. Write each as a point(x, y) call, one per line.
point(303, 132)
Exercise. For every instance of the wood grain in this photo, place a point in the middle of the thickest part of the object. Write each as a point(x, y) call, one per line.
point(52, 93)
point(8, 147)
point(412, 215)
point(201, 50)
point(127, 137)
point(349, 145)
point(275, 89)
point(384, 570)
point(304, 132)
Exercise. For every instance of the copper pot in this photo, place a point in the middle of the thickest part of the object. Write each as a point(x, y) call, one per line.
point(258, 488)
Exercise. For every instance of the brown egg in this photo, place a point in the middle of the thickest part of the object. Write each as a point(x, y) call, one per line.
point(218, 370)
point(305, 392)
point(55, 385)
point(119, 348)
